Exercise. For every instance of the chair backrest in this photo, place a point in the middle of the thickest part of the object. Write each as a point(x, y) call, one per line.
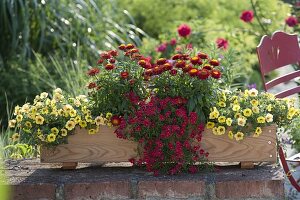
point(279, 50)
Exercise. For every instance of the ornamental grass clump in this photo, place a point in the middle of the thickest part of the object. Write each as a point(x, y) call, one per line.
point(50, 120)
point(241, 114)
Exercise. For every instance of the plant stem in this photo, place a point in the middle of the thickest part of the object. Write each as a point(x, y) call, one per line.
point(258, 19)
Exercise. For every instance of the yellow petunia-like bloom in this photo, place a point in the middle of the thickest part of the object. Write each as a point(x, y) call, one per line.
point(214, 114)
point(257, 132)
point(70, 125)
point(82, 124)
point(228, 121)
point(108, 115)
point(12, 123)
point(269, 117)
point(28, 124)
point(242, 121)
point(255, 109)
point(221, 130)
point(210, 125)
point(92, 131)
point(222, 104)
point(54, 130)
point(51, 137)
point(238, 115)
point(215, 131)
point(39, 119)
point(261, 120)
point(269, 107)
point(77, 119)
point(239, 136)
point(19, 118)
point(73, 113)
point(253, 92)
point(222, 119)
point(236, 107)
point(15, 137)
point(63, 132)
point(230, 134)
point(254, 102)
point(88, 118)
point(247, 112)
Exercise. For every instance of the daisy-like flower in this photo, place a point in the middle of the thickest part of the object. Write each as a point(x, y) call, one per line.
point(239, 136)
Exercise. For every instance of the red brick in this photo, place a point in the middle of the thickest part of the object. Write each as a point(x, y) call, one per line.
point(43, 191)
point(98, 190)
point(171, 189)
point(246, 189)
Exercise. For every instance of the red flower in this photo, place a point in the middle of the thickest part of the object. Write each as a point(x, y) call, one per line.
point(115, 120)
point(203, 74)
point(208, 67)
point(112, 60)
point(184, 30)
point(180, 64)
point(193, 117)
point(142, 63)
point(161, 61)
point(215, 74)
point(214, 62)
point(176, 57)
point(291, 21)
point(187, 68)
point(202, 55)
point(113, 52)
point(195, 60)
point(122, 47)
point(167, 66)
point(105, 55)
point(222, 43)
point(92, 85)
point(129, 46)
point(247, 16)
point(100, 61)
point(173, 41)
point(109, 66)
point(193, 72)
point(93, 71)
point(161, 47)
point(132, 160)
point(124, 75)
point(173, 72)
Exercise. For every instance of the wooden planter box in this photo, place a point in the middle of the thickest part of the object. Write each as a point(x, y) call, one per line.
point(106, 147)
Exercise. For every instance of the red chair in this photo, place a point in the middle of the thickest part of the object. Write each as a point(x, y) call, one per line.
point(277, 51)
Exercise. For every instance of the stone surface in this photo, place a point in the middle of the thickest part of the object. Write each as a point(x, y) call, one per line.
point(32, 180)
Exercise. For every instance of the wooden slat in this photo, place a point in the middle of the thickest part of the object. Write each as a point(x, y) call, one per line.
point(251, 149)
point(288, 92)
point(282, 79)
point(82, 147)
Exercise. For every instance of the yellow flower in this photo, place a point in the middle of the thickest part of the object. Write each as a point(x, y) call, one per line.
point(221, 130)
point(228, 121)
point(12, 123)
point(88, 118)
point(258, 131)
point(215, 131)
point(109, 124)
point(64, 132)
point(246, 93)
point(230, 134)
point(44, 95)
point(70, 125)
point(239, 136)
point(15, 137)
point(210, 125)
point(242, 121)
point(77, 119)
point(269, 107)
point(222, 119)
point(39, 119)
point(238, 115)
point(19, 118)
point(253, 92)
point(17, 110)
point(92, 131)
point(254, 102)
point(261, 120)
point(67, 108)
point(72, 113)
point(99, 121)
point(108, 115)
point(214, 114)
point(236, 107)
point(269, 117)
point(54, 130)
point(82, 124)
point(255, 109)
point(247, 112)
point(51, 137)
point(45, 111)
point(222, 104)
point(28, 124)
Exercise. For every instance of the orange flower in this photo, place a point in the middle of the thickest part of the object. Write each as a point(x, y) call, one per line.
point(115, 120)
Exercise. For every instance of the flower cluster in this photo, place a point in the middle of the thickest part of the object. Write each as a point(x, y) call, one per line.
point(167, 133)
point(50, 120)
point(243, 113)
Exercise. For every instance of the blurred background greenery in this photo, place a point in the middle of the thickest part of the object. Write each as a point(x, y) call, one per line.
point(46, 44)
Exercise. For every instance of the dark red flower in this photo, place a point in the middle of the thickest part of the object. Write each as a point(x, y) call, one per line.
point(124, 75)
point(122, 47)
point(187, 68)
point(129, 46)
point(132, 160)
point(203, 74)
point(115, 120)
point(161, 61)
point(184, 30)
point(105, 55)
point(112, 60)
point(92, 85)
point(93, 71)
point(222, 43)
point(134, 50)
point(180, 64)
point(173, 41)
point(214, 62)
point(247, 16)
point(202, 55)
point(161, 47)
point(193, 72)
point(208, 67)
point(173, 72)
point(176, 57)
point(142, 63)
point(113, 52)
point(216, 74)
point(131, 81)
point(109, 66)
point(148, 72)
point(291, 21)
point(100, 61)
point(167, 66)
